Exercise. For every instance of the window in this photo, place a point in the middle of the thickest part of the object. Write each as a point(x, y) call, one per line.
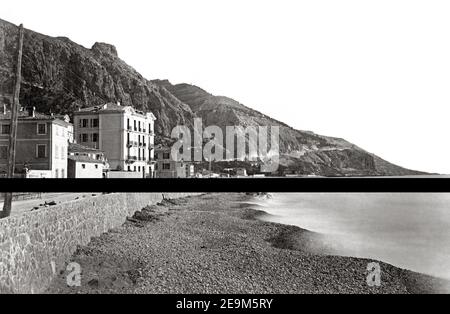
point(63, 175)
point(85, 123)
point(96, 166)
point(135, 168)
point(166, 166)
point(135, 128)
point(94, 123)
point(63, 155)
point(84, 137)
point(94, 137)
point(129, 168)
point(128, 123)
point(4, 152)
point(139, 168)
point(41, 128)
point(166, 155)
point(156, 166)
point(5, 129)
point(83, 166)
point(41, 150)
point(56, 152)
point(56, 173)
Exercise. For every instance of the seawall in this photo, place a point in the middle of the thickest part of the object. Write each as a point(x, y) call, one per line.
point(35, 246)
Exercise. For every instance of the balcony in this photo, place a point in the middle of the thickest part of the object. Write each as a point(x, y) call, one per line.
point(132, 144)
point(131, 159)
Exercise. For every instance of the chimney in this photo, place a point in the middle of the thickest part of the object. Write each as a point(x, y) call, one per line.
point(32, 111)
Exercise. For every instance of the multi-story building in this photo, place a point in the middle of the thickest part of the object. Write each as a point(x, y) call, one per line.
point(124, 134)
point(41, 143)
point(166, 167)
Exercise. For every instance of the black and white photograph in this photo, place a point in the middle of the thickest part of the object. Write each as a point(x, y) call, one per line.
point(224, 153)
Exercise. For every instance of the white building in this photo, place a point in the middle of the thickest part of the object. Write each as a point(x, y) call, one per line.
point(85, 162)
point(124, 134)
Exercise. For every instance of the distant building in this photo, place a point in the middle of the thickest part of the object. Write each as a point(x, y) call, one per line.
point(241, 172)
point(124, 134)
point(86, 162)
point(41, 146)
point(190, 170)
point(166, 167)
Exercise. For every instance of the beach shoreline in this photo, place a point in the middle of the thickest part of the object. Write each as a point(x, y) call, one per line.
point(215, 243)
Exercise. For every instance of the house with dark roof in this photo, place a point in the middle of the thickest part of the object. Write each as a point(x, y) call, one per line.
point(41, 144)
point(86, 162)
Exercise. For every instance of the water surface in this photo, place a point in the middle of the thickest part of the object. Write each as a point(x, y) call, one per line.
point(408, 230)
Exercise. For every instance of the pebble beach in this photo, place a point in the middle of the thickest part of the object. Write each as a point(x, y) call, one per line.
point(215, 243)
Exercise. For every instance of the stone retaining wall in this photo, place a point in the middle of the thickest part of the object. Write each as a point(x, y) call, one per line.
point(34, 246)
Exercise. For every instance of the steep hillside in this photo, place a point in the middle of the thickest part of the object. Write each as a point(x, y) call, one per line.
point(302, 151)
point(61, 76)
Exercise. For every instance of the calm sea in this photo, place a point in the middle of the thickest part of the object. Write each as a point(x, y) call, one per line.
point(409, 230)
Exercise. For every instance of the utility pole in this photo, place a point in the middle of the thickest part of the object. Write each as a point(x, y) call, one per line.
point(13, 126)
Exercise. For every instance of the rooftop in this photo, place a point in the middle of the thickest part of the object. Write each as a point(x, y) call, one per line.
point(32, 114)
point(160, 148)
point(112, 107)
point(84, 159)
point(77, 148)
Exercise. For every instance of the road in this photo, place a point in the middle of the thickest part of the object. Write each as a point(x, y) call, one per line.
point(21, 206)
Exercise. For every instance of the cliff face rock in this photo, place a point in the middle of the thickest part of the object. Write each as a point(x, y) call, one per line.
point(61, 76)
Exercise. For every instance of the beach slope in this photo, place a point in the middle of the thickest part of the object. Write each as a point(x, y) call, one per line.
point(214, 244)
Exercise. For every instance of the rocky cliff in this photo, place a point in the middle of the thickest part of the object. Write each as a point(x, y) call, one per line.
point(61, 76)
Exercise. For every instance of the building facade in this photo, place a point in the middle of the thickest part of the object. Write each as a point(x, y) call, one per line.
point(41, 144)
point(166, 167)
point(124, 134)
point(86, 162)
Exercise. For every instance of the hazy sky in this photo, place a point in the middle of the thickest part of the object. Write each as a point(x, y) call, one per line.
point(376, 73)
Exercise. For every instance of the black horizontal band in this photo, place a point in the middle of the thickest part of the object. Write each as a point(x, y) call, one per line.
point(220, 303)
point(346, 184)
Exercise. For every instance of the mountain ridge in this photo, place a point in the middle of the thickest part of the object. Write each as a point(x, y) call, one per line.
point(62, 76)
